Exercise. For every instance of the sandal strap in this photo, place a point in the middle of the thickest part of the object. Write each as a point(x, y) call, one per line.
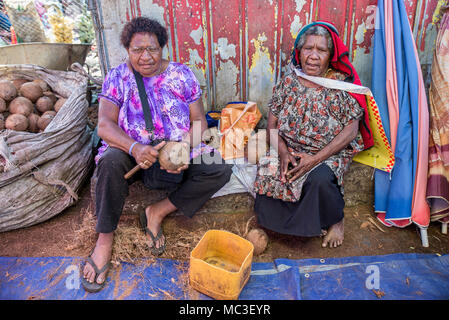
point(154, 250)
point(105, 267)
point(97, 271)
point(153, 238)
point(92, 263)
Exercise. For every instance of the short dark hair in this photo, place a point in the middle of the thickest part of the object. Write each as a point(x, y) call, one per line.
point(145, 25)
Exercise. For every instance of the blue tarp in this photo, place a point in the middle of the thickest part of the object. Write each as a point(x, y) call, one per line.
point(396, 276)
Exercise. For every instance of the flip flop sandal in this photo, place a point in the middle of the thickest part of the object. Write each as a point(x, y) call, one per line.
point(95, 286)
point(143, 223)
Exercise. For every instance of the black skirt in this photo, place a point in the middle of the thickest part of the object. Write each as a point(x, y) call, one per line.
point(320, 206)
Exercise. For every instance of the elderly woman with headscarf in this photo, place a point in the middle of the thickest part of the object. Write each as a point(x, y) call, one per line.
point(314, 132)
point(145, 102)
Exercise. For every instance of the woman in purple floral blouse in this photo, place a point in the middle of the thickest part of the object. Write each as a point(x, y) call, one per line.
point(175, 105)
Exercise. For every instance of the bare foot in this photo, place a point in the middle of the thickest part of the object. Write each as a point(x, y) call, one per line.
point(334, 236)
point(101, 256)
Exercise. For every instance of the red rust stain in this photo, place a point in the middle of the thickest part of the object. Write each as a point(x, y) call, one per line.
point(431, 6)
point(133, 10)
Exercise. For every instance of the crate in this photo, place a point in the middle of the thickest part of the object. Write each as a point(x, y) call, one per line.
point(220, 264)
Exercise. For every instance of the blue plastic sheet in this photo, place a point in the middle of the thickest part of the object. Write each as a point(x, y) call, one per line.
point(396, 276)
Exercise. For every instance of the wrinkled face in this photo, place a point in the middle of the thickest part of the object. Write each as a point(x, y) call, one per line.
point(315, 56)
point(145, 54)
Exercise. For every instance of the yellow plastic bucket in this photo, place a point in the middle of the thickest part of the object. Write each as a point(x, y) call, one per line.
point(220, 264)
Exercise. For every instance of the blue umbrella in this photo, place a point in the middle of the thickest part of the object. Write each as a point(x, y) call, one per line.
point(394, 192)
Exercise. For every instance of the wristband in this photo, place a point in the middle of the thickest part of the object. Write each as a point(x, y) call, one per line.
point(131, 148)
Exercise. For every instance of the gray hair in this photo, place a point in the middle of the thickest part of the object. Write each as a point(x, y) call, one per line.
point(317, 31)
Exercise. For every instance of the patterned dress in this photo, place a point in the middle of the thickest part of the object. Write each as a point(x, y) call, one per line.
point(308, 120)
point(170, 93)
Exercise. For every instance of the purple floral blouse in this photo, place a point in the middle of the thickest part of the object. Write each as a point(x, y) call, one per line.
point(169, 93)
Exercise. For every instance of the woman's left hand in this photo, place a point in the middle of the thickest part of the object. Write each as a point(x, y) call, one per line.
point(185, 166)
point(305, 163)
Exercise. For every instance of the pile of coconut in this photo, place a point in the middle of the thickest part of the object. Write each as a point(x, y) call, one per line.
point(27, 105)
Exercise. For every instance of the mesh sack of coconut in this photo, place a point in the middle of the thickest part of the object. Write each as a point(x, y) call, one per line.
point(41, 173)
point(25, 20)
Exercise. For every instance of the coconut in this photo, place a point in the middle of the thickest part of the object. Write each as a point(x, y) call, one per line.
point(31, 90)
point(42, 84)
point(51, 95)
point(3, 105)
point(59, 104)
point(259, 239)
point(19, 82)
point(17, 122)
point(7, 90)
point(21, 105)
point(256, 147)
point(45, 119)
point(50, 112)
point(32, 120)
point(174, 155)
point(44, 104)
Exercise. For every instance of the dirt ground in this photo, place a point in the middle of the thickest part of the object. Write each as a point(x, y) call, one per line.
point(71, 234)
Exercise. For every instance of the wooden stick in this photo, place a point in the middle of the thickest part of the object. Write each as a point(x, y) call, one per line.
point(131, 172)
point(375, 224)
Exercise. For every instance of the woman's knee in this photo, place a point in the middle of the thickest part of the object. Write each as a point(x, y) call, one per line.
point(114, 160)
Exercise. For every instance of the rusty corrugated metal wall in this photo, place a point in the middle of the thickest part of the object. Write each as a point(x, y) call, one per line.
point(238, 48)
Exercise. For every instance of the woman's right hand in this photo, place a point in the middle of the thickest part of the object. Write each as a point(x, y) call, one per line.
point(286, 158)
point(278, 143)
point(146, 155)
